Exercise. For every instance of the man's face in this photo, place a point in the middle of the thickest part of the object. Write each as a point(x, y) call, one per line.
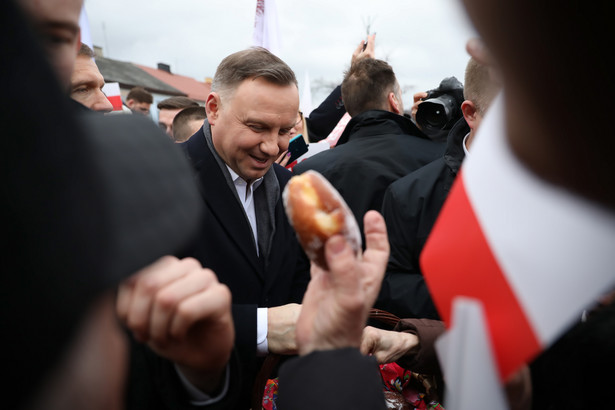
point(57, 23)
point(252, 127)
point(86, 85)
point(165, 120)
point(138, 106)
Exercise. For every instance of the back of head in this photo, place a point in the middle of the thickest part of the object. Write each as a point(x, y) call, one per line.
point(174, 103)
point(252, 63)
point(140, 94)
point(185, 121)
point(366, 86)
point(479, 87)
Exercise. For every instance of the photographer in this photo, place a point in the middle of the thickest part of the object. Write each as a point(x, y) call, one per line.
point(412, 204)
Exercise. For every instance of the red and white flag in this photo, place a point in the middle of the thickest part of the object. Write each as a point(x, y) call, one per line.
point(532, 254)
point(266, 28)
point(112, 91)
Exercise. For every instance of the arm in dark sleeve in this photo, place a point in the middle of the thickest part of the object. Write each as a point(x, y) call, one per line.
point(404, 291)
point(154, 384)
point(422, 358)
point(323, 119)
point(333, 379)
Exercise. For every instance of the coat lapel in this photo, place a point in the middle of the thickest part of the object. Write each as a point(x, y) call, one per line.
point(221, 201)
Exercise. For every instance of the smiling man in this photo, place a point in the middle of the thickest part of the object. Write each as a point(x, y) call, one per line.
point(246, 238)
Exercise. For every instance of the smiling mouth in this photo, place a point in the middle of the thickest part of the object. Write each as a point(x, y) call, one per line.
point(260, 160)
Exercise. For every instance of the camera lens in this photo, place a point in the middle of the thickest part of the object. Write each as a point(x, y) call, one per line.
point(435, 114)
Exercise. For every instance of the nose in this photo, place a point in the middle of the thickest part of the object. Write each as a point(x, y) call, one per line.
point(102, 103)
point(271, 144)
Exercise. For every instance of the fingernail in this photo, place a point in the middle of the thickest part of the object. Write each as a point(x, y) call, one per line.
point(288, 154)
point(337, 244)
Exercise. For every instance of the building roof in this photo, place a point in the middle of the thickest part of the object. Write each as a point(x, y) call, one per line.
point(194, 89)
point(129, 75)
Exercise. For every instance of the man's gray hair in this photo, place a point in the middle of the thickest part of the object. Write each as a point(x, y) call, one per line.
point(254, 62)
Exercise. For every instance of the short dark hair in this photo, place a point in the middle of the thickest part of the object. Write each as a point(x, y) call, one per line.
point(181, 131)
point(85, 51)
point(173, 103)
point(140, 94)
point(254, 62)
point(366, 86)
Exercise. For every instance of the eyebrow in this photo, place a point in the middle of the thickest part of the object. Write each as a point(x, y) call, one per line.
point(74, 29)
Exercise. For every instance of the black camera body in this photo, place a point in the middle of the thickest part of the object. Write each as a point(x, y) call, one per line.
point(441, 109)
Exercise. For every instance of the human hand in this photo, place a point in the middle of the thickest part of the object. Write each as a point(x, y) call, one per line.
point(385, 345)
point(337, 302)
point(418, 99)
point(369, 52)
point(281, 324)
point(283, 158)
point(184, 314)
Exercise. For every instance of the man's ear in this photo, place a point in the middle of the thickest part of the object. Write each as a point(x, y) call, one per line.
point(469, 113)
point(394, 104)
point(212, 107)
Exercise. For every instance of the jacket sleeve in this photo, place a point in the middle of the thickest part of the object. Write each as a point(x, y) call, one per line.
point(154, 384)
point(333, 379)
point(323, 119)
point(404, 291)
point(422, 358)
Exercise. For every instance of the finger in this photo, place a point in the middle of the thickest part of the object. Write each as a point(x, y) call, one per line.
point(212, 304)
point(419, 96)
point(148, 283)
point(370, 50)
point(169, 298)
point(342, 263)
point(126, 290)
point(376, 239)
point(124, 298)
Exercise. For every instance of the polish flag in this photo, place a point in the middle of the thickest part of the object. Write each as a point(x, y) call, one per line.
point(112, 91)
point(266, 28)
point(532, 255)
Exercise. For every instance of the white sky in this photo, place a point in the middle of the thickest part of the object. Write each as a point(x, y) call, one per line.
point(424, 40)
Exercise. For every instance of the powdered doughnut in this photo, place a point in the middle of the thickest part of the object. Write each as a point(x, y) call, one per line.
point(317, 211)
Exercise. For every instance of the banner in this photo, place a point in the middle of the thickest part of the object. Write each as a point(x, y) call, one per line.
point(266, 28)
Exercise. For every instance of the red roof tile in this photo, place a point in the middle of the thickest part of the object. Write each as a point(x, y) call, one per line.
point(196, 90)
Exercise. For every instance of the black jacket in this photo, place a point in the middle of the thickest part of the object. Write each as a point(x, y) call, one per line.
point(410, 208)
point(376, 148)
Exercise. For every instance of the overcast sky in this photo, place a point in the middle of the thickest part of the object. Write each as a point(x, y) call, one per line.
point(424, 40)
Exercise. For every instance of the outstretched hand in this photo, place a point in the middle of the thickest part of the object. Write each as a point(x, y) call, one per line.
point(368, 52)
point(337, 302)
point(184, 314)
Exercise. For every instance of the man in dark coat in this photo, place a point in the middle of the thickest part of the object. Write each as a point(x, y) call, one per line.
point(245, 235)
point(412, 204)
point(379, 144)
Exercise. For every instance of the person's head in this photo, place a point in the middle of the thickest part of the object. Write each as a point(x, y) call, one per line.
point(57, 24)
point(478, 92)
point(139, 100)
point(370, 84)
point(187, 122)
point(251, 110)
point(86, 82)
point(547, 69)
point(300, 127)
point(168, 109)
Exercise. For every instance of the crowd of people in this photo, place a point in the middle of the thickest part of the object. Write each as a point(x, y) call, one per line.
point(153, 266)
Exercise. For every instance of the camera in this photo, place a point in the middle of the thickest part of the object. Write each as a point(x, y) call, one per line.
point(441, 109)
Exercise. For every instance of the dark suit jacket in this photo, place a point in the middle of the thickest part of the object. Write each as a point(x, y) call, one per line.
point(227, 247)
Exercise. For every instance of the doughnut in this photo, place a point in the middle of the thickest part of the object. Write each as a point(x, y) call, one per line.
point(317, 211)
